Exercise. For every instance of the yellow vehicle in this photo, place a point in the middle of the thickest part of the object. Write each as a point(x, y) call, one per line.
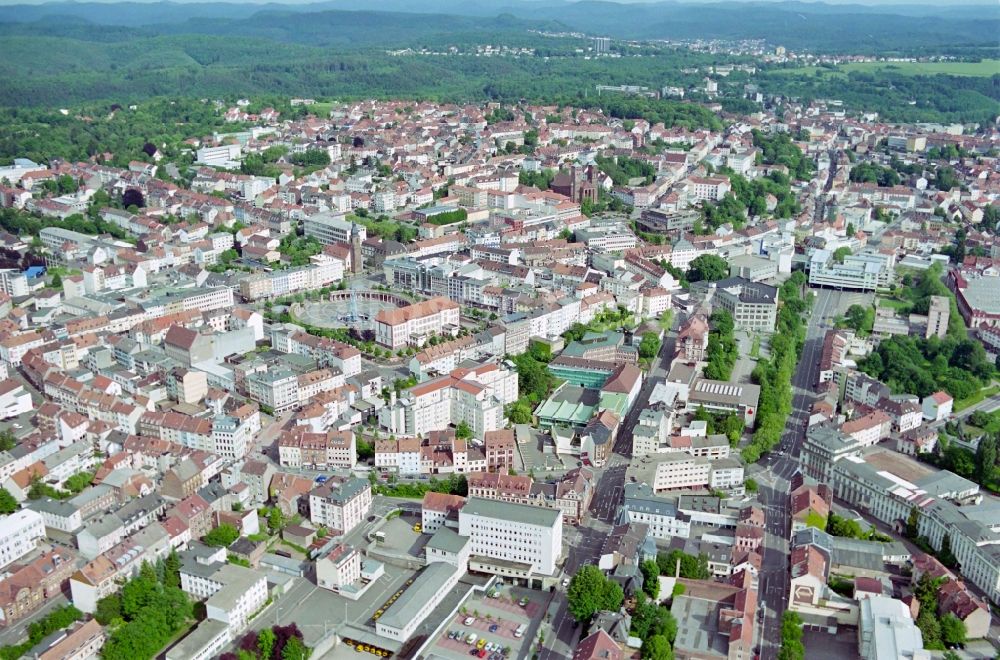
point(417, 527)
point(481, 643)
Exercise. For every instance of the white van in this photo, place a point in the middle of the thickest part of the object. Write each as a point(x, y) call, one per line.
point(471, 639)
point(521, 629)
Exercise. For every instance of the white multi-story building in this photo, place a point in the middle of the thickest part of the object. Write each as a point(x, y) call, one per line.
point(886, 630)
point(417, 322)
point(233, 593)
point(340, 568)
point(14, 399)
point(753, 305)
point(642, 505)
point(340, 505)
point(277, 389)
point(709, 188)
point(19, 534)
point(331, 228)
point(510, 532)
point(677, 470)
point(224, 156)
point(476, 396)
point(864, 272)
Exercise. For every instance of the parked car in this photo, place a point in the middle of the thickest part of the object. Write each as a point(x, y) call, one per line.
point(494, 628)
point(469, 620)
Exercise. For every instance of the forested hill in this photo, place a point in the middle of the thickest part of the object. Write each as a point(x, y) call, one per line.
point(815, 26)
point(64, 54)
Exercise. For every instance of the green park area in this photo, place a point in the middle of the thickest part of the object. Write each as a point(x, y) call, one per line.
point(982, 68)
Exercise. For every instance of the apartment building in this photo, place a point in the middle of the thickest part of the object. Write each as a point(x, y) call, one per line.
point(19, 534)
point(753, 305)
point(868, 430)
point(437, 509)
point(278, 389)
point(709, 188)
point(25, 588)
point(475, 395)
point(415, 323)
point(299, 448)
point(14, 399)
point(231, 593)
point(660, 512)
point(681, 470)
point(338, 569)
point(340, 504)
point(526, 535)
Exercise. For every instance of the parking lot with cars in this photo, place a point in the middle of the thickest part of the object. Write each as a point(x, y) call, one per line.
point(494, 626)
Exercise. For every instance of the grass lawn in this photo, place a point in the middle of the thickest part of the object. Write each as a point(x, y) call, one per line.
point(755, 348)
point(321, 109)
point(985, 68)
point(898, 305)
point(984, 393)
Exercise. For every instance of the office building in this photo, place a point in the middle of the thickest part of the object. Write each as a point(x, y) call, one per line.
point(332, 228)
point(521, 534)
point(753, 305)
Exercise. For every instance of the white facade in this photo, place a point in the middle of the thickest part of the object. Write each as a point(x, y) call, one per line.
point(19, 534)
point(513, 532)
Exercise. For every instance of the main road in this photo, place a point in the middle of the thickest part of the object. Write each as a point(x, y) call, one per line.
point(774, 482)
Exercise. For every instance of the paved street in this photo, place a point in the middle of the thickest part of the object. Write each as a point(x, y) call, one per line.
point(781, 465)
point(584, 542)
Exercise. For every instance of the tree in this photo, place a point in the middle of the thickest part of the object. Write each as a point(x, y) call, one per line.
point(860, 318)
point(265, 643)
point(275, 520)
point(791, 637)
point(911, 523)
point(519, 412)
point(839, 526)
point(7, 440)
point(708, 267)
point(295, 649)
point(108, 609)
point(946, 556)
point(840, 253)
point(650, 578)
point(463, 431)
point(590, 591)
point(222, 536)
point(172, 570)
point(692, 567)
point(56, 282)
point(649, 346)
point(952, 630)
point(656, 648)
point(751, 485)
point(930, 629)
point(8, 504)
point(986, 458)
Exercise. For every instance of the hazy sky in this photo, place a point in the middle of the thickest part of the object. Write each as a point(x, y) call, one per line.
point(376, 4)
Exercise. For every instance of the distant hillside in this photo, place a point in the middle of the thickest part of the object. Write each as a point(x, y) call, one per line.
point(810, 25)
